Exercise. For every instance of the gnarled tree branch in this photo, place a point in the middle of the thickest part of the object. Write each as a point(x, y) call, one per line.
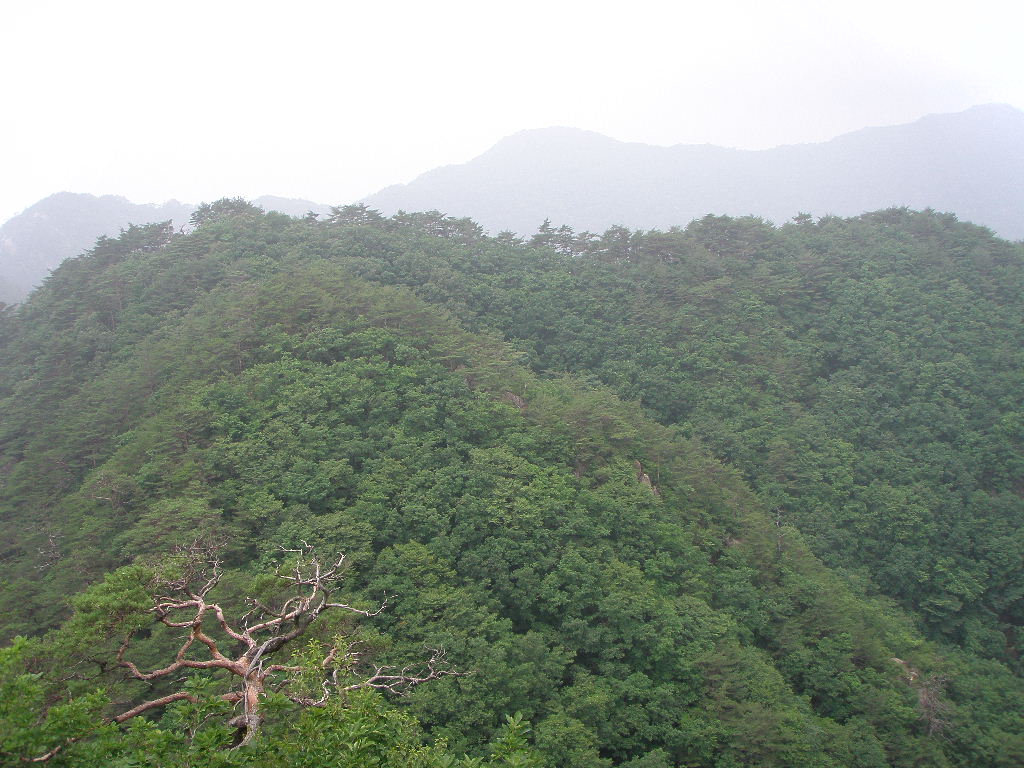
point(182, 602)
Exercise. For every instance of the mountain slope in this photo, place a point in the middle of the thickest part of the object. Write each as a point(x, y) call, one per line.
point(969, 163)
point(864, 374)
point(263, 382)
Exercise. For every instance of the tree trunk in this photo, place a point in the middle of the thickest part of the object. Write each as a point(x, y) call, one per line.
point(248, 723)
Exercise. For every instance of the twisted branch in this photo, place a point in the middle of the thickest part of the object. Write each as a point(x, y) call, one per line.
point(181, 603)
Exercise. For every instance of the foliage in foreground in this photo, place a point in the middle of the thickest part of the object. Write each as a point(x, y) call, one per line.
point(359, 731)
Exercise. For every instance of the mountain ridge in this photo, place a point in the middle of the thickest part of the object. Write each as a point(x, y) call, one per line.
point(970, 163)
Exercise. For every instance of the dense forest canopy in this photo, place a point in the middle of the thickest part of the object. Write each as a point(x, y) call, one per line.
point(723, 495)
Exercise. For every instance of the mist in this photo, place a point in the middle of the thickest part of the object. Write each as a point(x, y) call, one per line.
point(332, 103)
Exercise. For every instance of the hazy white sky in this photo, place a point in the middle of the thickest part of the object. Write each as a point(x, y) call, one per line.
point(333, 100)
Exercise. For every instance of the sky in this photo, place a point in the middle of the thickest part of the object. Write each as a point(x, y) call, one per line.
point(331, 101)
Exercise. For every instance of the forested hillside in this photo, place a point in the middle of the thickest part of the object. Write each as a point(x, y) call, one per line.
point(724, 495)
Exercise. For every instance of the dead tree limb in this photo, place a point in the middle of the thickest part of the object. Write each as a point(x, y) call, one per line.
point(182, 602)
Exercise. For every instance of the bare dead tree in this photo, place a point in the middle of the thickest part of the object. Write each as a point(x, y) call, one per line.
point(935, 710)
point(932, 706)
point(182, 603)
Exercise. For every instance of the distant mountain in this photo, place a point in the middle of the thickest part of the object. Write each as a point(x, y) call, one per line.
point(8, 291)
point(969, 163)
point(67, 224)
point(290, 206)
point(63, 225)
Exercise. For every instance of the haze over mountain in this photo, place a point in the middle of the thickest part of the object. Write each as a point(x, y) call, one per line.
point(969, 163)
point(66, 224)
